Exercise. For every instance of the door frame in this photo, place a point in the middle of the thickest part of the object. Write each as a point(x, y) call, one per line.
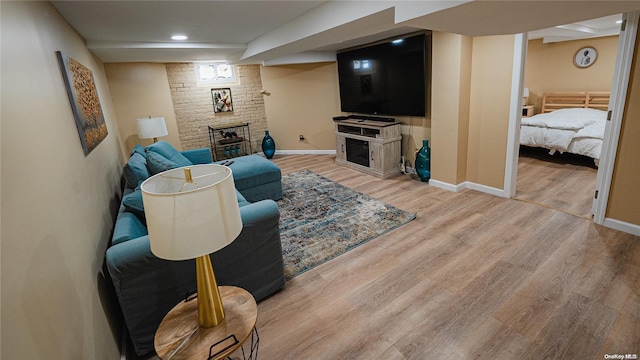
point(624, 58)
point(619, 87)
point(515, 114)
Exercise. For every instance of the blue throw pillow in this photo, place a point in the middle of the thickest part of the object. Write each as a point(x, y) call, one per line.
point(158, 163)
point(133, 203)
point(168, 152)
point(138, 149)
point(135, 170)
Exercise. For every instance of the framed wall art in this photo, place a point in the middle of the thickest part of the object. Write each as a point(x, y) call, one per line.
point(222, 101)
point(85, 104)
point(585, 57)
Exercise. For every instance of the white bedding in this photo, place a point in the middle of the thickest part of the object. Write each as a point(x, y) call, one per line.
point(565, 119)
point(577, 131)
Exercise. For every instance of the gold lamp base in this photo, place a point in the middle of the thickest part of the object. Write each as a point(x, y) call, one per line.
point(210, 310)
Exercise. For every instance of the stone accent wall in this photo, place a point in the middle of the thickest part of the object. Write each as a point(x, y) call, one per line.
point(193, 105)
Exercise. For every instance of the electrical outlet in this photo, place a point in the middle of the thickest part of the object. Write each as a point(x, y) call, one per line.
point(301, 137)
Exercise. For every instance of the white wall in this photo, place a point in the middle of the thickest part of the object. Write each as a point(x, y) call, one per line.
point(57, 204)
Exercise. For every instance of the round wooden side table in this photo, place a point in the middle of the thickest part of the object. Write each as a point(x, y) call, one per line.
point(180, 337)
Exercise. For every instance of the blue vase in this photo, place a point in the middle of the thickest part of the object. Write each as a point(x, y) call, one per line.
point(423, 161)
point(268, 145)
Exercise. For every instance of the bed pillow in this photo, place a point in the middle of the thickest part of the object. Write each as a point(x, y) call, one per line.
point(169, 152)
point(135, 170)
point(157, 163)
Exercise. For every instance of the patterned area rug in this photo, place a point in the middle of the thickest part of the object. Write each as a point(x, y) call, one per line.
point(321, 219)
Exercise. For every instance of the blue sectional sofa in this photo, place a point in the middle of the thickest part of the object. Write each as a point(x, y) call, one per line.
point(148, 287)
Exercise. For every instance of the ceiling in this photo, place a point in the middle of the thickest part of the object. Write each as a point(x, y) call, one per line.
point(275, 32)
point(604, 26)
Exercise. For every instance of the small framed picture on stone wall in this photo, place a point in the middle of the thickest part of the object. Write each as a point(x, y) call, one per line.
point(222, 100)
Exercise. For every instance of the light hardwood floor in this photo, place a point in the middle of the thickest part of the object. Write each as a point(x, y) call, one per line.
point(564, 182)
point(472, 277)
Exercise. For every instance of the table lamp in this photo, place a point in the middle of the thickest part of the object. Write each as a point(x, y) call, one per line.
point(525, 96)
point(152, 128)
point(192, 212)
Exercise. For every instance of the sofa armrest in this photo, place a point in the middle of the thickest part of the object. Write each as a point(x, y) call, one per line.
point(260, 213)
point(254, 260)
point(148, 287)
point(198, 156)
point(132, 257)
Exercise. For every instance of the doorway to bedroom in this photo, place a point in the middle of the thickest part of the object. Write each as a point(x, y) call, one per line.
point(560, 150)
point(565, 182)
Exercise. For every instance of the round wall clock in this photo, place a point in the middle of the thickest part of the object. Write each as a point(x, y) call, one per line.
point(585, 57)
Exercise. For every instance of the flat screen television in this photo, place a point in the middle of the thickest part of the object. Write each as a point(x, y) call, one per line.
point(386, 78)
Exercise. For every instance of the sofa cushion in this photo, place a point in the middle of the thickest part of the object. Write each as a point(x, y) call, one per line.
point(241, 200)
point(128, 227)
point(135, 170)
point(169, 152)
point(253, 170)
point(132, 202)
point(157, 163)
point(272, 190)
point(137, 149)
point(198, 156)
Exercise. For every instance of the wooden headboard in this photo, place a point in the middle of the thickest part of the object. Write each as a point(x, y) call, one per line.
point(579, 99)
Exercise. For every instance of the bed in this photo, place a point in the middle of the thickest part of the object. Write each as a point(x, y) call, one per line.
point(572, 122)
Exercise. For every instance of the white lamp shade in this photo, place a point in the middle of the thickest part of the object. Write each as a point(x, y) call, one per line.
point(525, 92)
point(187, 220)
point(152, 127)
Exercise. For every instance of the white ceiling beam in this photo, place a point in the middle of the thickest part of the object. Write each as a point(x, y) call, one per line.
point(325, 17)
point(408, 10)
point(92, 44)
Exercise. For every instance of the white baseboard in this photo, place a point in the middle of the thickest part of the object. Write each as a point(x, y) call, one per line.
point(446, 186)
point(469, 185)
point(632, 229)
point(486, 189)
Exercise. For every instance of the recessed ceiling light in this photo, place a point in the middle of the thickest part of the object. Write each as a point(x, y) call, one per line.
point(179, 37)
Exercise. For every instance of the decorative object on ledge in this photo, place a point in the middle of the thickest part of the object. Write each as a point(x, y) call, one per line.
point(229, 137)
point(85, 103)
point(152, 128)
point(268, 145)
point(230, 140)
point(222, 100)
point(423, 161)
point(585, 57)
point(192, 212)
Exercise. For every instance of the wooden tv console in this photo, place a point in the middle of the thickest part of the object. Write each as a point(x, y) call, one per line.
point(372, 147)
